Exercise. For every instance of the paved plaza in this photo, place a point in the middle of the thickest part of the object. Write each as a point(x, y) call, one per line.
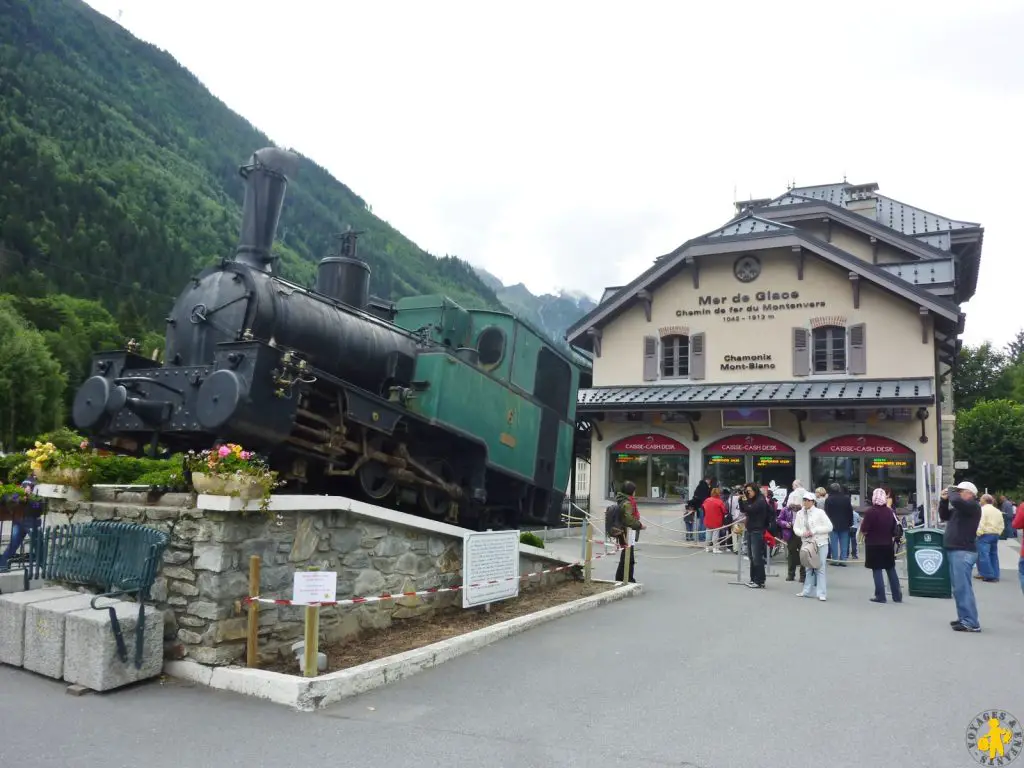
point(694, 672)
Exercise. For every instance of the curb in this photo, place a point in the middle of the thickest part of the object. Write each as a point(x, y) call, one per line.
point(310, 694)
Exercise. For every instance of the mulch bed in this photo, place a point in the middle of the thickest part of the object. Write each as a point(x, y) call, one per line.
point(407, 634)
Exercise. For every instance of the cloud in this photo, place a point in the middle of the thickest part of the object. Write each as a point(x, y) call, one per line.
point(570, 143)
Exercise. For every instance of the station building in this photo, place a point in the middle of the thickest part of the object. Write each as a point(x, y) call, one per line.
point(809, 337)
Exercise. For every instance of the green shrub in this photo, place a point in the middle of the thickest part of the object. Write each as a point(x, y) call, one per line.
point(169, 478)
point(63, 439)
point(14, 468)
point(127, 470)
point(531, 539)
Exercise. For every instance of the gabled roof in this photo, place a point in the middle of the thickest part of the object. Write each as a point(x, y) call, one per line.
point(904, 226)
point(742, 234)
point(906, 219)
point(748, 225)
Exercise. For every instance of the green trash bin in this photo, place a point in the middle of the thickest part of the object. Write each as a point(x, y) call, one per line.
point(927, 567)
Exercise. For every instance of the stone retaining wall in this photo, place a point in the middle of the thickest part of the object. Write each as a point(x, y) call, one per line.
point(205, 573)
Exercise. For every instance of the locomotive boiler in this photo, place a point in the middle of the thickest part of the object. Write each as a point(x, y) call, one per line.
point(466, 415)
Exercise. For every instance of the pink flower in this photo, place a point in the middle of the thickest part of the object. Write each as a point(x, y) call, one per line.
point(84, 445)
point(223, 451)
point(246, 455)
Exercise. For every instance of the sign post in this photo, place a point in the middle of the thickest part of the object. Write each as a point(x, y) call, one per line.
point(490, 567)
point(310, 588)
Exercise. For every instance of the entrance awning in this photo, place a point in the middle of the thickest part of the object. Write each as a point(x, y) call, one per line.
point(846, 393)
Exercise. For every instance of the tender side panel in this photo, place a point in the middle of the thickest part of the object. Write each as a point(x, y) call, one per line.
point(469, 401)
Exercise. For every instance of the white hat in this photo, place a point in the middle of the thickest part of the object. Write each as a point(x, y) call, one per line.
point(808, 496)
point(968, 486)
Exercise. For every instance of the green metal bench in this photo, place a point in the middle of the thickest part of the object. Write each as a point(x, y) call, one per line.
point(116, 558)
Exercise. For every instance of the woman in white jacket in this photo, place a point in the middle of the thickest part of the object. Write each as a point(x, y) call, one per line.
point(812, 521)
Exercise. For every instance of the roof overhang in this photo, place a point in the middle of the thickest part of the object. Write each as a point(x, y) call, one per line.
point(684, 256)
point(856, 222)
point(799, 394)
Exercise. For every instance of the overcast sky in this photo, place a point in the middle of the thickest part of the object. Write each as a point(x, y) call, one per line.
point(567, 144)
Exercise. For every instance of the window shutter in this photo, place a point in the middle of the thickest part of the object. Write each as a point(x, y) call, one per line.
point(697, 356)
point(858, 353)
point(650, 358)
point(801, 355)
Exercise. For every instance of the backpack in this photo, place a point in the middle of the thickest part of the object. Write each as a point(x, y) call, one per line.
point(613, 522)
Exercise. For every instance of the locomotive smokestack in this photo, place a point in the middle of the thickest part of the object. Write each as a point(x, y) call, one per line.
point(266, 179)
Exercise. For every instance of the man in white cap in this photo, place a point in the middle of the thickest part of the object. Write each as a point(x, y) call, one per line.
point(960, 510)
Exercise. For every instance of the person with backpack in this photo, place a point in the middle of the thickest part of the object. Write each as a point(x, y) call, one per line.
point(620, 518)
point(881, 529)
point(813, 527)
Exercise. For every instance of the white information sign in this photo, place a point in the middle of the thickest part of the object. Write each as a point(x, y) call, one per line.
point(961, 465)
point(310, 587)
point(490, 561)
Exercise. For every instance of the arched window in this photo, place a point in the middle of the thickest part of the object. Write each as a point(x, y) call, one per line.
point(828, 349)
point(675, 356)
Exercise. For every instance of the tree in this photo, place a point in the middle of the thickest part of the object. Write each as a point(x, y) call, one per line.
point(31, 381)
point(1015, 349)
point(980, 374)
point(990, 436)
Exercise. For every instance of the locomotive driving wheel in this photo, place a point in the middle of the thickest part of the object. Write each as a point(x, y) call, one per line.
point(373, 476)
point(434, 501)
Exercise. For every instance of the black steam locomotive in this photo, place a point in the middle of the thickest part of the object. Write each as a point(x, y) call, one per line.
point(422, 405)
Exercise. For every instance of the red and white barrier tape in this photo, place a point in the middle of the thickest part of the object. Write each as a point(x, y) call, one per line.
point(420, 593)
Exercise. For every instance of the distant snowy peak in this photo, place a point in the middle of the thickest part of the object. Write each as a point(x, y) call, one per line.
point(580, 297)
point(552, 312)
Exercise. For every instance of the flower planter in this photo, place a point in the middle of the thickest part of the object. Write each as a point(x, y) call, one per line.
point(243, 487)
point(74, 478)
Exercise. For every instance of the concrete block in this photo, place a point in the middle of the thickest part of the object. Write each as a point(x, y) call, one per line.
point(12, 581)
point(12, 620)
point(44, 633)
point(90, 651)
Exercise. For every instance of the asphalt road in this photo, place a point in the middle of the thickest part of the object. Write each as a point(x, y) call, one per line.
point(693, 672)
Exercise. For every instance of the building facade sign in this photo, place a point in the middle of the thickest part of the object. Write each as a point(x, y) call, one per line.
point(862, 444)
point(748, 363)
point(649, 444)
point(748, 444)
point(746, 307)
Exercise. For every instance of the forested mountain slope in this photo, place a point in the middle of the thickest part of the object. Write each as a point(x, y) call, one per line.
point(119, 176)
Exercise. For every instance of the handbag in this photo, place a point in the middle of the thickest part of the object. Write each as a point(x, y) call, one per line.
point(810, 556)
point(897, 533)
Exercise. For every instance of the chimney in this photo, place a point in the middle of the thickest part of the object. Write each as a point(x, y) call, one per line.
point(266, 179)
point(860, 198)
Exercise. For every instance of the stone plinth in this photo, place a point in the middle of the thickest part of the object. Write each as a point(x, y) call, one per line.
point(90, 650)
point(44, 633)
point(12, 620)
point(205, 570)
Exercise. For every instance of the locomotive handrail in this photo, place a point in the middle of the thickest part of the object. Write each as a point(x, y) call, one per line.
point(147, 380)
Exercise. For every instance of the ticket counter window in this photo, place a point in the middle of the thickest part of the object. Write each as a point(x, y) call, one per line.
point(628, 466)
point(845, 470)
point(729, 471)
point(779, 469)
point(655, 476)
point(894, 472)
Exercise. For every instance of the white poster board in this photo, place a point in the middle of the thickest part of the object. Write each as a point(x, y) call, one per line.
point(490, 561)
point(310, 587)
